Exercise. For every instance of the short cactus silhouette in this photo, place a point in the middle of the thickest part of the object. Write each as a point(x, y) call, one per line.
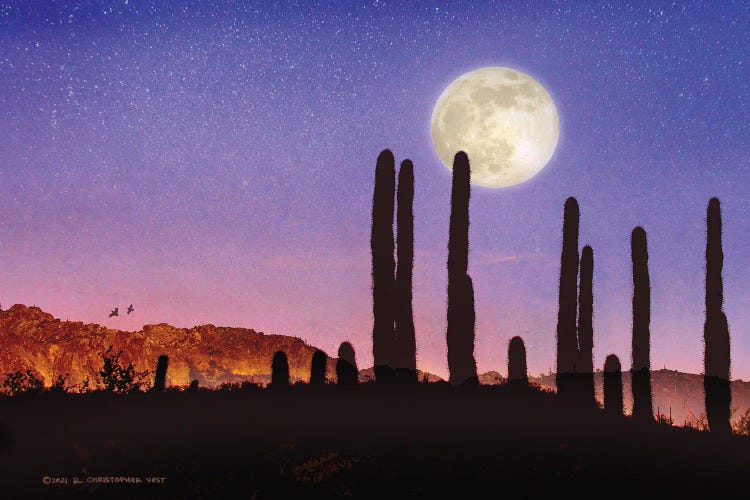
point(585, 364)
point(318, 368)
point(383, 268)
point(718, 395)
point(346, 365)
point(461, 316)
point(404, 317)
point(517, 372)
point(641, 368)
point(567, 343)
point(160, 377)
point(279, 371)
point(613, 386)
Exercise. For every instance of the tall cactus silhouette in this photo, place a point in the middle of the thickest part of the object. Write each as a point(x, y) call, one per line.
point(517, 372)
point(567, 342)
point(383, 268)
point(318, 368)
point(461, 317)
point(405, 335)
point(279, 371)
point(612, 385)
point(641, 367)
point(716, 330)
point(160, 377)
point(585, 363)
point(346, 365)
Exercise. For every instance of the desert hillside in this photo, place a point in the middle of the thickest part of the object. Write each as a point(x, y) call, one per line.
point(31, 338)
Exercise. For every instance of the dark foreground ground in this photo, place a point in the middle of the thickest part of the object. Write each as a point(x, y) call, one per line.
point(429, 441)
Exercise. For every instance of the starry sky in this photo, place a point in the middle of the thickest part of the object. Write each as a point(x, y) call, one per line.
point(213, 162)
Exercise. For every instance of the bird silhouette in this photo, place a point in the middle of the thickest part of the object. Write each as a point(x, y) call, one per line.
point(130, 309)
point(115, 312)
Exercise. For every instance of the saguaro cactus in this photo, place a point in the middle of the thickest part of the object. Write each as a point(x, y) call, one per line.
point(567, 342)
point(279, 371)
point(517, 372)
point(383, 268)
point(716, 330)
point(346, 365)
point(405, 335)
point(160, 377)
point(585, 363)
point(461, 318)
point(318, 368)
point(641, 367)
point(612, 385)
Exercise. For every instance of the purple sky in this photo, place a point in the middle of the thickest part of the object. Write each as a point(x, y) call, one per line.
point(213, 163)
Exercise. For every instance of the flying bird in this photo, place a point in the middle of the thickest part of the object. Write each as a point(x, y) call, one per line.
point(115, 312)
point(130, 309)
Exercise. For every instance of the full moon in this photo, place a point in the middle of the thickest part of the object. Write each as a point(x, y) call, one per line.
point(504, 120)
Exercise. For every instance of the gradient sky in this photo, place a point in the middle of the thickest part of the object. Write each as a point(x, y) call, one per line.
point(213, 162)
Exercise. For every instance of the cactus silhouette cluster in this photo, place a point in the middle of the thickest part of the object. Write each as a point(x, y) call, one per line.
point(716, 330)
point(575, 327)
point(641, 367)
point(394, 346)
point(461, 315)
point(575, 334)
point(393, 336)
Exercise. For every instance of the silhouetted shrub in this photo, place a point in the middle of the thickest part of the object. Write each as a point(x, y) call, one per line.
point(279, 371)
point(160, 379)
point(383, 268)
point(249, 385)
point(81, 388)
point(318, 368)
point(405, 336)
point(567, 336)
point(118, 377)
point(193, 385)
point(718, 395)
point(696, 422)
point(228, 386)
point(461, 316)
point(664, 419)
point(641, 367)
point(346, 365)
point(59, 385)
point(517, 361)
point(21, 382)
point(585, 364)
point(613, 385)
